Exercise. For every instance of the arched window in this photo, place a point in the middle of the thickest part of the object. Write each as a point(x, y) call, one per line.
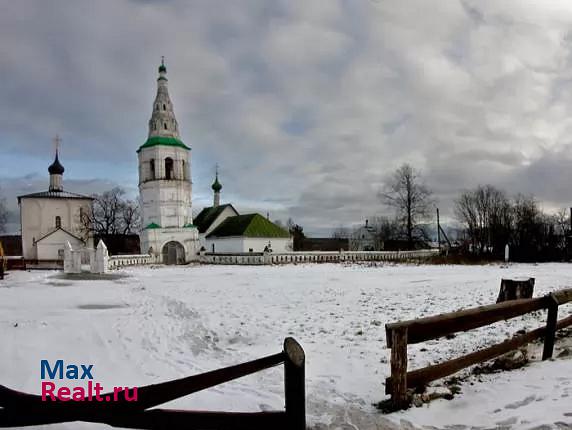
point(157, 107)
point(152, 166)
point(58, 222)
point(164, 106)
point(169, 168)
point(165, 126)
point(184, 171)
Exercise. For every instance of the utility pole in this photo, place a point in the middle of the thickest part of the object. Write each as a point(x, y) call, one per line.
point(438, 231)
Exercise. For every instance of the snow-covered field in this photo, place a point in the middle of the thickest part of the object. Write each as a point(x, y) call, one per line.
point(156, 324)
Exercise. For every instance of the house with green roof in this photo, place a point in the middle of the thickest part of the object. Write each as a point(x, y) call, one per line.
point(223, 230)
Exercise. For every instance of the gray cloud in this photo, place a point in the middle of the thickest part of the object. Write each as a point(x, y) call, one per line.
point(306, 106)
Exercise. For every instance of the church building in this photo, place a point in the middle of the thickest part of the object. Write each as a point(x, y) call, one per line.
point(165, 185)
point(223, 230)
point(169, 232)
point(51, 218)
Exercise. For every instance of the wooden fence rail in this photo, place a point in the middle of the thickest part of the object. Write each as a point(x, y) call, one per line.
point(22, 409)
point(400, 334)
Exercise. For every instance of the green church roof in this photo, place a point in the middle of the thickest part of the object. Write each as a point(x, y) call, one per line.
point(209, 215)
point(152, 226)
point(250, 225)
point(163, 141)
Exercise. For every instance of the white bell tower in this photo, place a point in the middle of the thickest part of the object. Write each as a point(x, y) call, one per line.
point(165, 185)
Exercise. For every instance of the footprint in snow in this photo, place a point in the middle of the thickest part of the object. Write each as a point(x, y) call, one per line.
point(521, 403)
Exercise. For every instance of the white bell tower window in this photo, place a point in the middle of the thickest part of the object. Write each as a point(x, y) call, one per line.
point(169, 168)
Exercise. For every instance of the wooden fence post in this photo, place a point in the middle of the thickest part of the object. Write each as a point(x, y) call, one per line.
point(399, 397)
point(550, 333)
point(294, 384)
point(513, 289)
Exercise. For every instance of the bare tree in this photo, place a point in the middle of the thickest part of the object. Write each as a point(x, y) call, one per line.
point(297, 233)
point(112, 214)
point(341, 232)
point(562, 222)
point(487, 215)
point(411, 199)
point(387, 229)
point(529, 225)
point(130, 221)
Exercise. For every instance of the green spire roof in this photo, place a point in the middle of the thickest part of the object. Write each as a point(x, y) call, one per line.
point(163, 141)
point(216, 186)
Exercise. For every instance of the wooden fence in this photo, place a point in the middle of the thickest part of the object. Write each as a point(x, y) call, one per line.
point(21, 409)
point(400, 334)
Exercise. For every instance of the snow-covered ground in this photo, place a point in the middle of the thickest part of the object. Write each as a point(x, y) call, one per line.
point(156, 324)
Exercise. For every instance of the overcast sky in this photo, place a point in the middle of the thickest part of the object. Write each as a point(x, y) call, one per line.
point(306, 105)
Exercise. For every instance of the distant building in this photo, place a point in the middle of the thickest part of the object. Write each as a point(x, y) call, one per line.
point(223, 230)
point(365, 238)
point(51, 218)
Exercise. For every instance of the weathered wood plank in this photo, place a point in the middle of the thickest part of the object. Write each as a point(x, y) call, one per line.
point(422, 329)
point(156, 419)
point(550, 332)
point(150, 395)
point(562, 296)
point(204, 420)
point(421, 377)
point(513, 289)
point(564, 322)
point(294, 384)
point(399, 368)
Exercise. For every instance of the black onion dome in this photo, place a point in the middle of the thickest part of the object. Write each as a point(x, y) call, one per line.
point(56, 167)
point(216, 186)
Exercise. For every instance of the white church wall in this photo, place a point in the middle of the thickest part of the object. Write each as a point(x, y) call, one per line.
point(226, 213)
point(153, 241)
point(257, 244)
point(165, 202)
point(159, 153)
point(38, 217)
point(247, 244)
point(52, 247)
point(225, 244)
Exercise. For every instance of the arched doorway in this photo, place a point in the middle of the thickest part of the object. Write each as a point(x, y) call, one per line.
point(173, 253)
